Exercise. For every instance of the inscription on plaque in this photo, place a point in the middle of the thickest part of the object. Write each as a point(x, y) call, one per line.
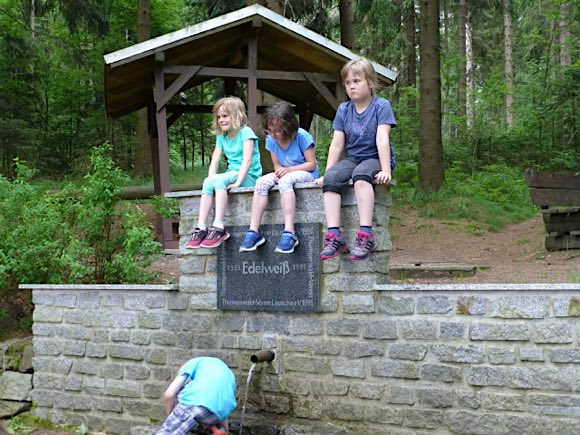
point(264, 280)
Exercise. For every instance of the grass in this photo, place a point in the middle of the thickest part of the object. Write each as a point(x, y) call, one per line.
point(485, 201)
point(27, 423)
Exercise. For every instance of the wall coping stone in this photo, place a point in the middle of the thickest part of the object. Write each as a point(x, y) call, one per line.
point(188, 193)
point(133, 287)
point(307, 185)
point(564, 287)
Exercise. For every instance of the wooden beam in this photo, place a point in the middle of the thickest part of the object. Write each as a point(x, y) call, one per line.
point(253, 80)
point(198, 108)
point(173, 117)
point(175, 87)
point(164, 226)
point(557, 180)
point(240, 73)
point(323, 90)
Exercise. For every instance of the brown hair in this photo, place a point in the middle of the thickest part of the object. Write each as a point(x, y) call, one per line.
point(281, 113)
point(364, 68)
point(235, 108)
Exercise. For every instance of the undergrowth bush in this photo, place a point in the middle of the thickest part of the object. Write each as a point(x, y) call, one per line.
point(494, 196)
point(65, 237)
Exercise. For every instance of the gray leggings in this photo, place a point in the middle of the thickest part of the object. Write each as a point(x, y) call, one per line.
point(338, 176)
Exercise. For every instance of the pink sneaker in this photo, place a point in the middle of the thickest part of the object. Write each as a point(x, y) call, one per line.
point(333, 245)
point(215, 238)
point(364, 244)
point(197, 237)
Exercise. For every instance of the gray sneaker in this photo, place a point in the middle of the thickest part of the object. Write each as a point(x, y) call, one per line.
point(364, 244)
point(333, 245)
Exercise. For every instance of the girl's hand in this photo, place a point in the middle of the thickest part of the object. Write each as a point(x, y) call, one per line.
point(280, 172)
point(383, 177)
point(319, 181)
point(233, 186)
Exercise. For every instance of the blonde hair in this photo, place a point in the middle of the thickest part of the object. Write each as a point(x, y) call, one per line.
point(364, 68)
point(235, 107)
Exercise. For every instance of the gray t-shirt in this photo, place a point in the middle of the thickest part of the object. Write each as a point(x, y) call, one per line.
point(360, 129)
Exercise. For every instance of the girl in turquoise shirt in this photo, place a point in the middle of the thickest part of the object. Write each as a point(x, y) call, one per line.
point(239, 144)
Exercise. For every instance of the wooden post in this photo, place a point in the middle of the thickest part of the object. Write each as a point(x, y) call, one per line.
point(160, 153)
point(253, 79)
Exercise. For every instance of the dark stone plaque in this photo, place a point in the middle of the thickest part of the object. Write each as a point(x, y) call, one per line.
point(264, 280)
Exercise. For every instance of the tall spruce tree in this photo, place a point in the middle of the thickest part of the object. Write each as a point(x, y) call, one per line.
point(431, 170)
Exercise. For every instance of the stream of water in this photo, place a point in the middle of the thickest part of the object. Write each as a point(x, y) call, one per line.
point(246, 397)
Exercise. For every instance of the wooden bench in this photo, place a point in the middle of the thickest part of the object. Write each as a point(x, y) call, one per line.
point(558, 195)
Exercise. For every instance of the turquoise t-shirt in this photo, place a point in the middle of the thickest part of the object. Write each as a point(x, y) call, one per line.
point(233, 149)
point(210, 383)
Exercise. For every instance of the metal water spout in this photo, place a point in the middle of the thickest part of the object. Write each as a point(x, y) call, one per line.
point(258, 357)
point(263, 356)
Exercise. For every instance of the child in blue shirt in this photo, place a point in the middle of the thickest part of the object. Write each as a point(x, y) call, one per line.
point(362, 126)
point(292, 152)
point(239, 144)
point(205, 392)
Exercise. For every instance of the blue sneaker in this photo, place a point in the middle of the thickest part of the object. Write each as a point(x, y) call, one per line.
point(252, 240)
point(288, 242)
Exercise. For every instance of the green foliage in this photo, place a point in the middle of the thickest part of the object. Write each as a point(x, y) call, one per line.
point(491, 198)
point(113, 238)
point(66, 238)
point(166, 207)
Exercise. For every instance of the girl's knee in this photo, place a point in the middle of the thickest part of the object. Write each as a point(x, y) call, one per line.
point(261, 189)
point(362, 178)
point(207, 187)
point(285, 186)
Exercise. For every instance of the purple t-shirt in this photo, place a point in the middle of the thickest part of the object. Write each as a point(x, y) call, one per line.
point(360, 129)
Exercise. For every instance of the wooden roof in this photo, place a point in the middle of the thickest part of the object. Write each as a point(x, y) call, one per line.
point(292, 61)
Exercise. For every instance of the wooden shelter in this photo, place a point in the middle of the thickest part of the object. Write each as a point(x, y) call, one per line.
point(255, 45)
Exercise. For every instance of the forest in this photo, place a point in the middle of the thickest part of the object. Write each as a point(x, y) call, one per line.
point(502, 87)
point(485, 89)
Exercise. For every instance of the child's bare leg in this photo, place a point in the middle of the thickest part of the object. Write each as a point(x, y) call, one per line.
point(365, 201)
point(205, 204)
point(332, 202)
point(259, 204)
point(288, 201)
point(221, 202)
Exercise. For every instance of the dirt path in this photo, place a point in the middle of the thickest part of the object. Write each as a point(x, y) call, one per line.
point(514, 255)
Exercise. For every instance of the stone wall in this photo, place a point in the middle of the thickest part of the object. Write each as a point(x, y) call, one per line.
point(198, 267)
point(15, 377)
point(378, 358)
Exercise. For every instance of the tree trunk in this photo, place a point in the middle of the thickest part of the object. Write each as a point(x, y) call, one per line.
point(470, 97)
point(462, 80)
point(565, 58)
point(410, 56)
point(508, 64)
point(347, 37)
point(431, 171)
point(274, 5)
point(446, 70)
point(143, 165)
point(32, 18)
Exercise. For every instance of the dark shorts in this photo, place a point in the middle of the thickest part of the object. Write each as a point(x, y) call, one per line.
point(186, 417)
point(339, 175)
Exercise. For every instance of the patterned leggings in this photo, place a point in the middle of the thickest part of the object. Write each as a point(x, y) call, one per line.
point(285, 184)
